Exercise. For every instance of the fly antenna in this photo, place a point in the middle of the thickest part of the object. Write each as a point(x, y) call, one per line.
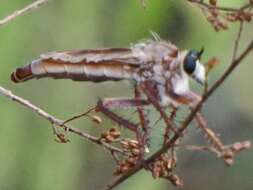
point(201, 52)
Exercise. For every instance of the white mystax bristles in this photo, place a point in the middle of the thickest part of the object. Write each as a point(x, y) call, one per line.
point(199, 73)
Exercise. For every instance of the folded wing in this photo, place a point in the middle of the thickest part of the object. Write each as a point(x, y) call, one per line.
point(82, 65)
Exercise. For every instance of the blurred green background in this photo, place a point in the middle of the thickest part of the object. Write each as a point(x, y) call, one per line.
point(30, 158)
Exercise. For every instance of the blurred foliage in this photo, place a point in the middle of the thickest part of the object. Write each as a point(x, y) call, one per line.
point(30, 158)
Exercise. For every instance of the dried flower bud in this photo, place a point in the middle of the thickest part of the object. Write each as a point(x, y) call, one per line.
point(103, 135)
point(135, 151)
point(114, 133)
point(132, 160)
point(61, 138)
point(212, 63)
point(133, 143)
point(96, 119)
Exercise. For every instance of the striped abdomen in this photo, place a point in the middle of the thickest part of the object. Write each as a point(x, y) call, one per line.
point(85, 66)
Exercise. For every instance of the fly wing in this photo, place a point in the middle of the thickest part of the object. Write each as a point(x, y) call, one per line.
point(82, 65)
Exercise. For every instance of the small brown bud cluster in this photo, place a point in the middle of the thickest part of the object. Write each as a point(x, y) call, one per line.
point(125, 165)
point(230, 151)
point(219, 18)
point(217, 22)
point(163, 166)
point(242, 16)
point(110, 136)
point(131, 146)
point(233, 149)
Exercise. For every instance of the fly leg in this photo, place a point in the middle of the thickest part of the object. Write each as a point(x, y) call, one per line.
point(145, 124)
point(104, 105)
point(148, 89)
point(221, 149)
point(111, 103)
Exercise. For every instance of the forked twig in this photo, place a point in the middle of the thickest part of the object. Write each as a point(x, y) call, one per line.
point(55, 121)
point(78, 116)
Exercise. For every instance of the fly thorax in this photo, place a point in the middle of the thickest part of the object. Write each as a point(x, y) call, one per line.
point(165, 100)
point(158, 73)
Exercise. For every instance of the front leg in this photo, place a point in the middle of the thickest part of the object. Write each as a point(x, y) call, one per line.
point(114, 117)
point(144, 122)
point(112, 103)
point(148, 89)
point(222, 150)
point(104, 105)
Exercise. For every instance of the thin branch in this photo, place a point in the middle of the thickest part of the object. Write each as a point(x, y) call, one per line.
point(20, 12)
point(185, 124)
point(237, 40)
point(78, 116)
point(55, 121)
point(199, 148)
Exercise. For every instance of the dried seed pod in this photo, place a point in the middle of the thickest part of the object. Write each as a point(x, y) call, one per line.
point(211, 64)
point(135, 151)
point(96, 119)
point(113, 132)
point(60, 138)
point(156, 172)
point(133, 143)
point(132, 160)
point(228, 156)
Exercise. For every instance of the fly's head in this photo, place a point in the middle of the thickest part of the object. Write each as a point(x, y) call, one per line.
point(193, 67)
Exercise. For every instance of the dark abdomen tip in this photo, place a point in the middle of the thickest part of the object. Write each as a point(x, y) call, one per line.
point(22, 74)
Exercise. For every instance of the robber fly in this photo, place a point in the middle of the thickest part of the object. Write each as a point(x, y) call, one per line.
point(161, 74)
point(158, 62)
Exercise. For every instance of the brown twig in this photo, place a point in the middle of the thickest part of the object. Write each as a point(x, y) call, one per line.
point(237, 41)
point(55, 121)
point(78, 116)
point(20, 12)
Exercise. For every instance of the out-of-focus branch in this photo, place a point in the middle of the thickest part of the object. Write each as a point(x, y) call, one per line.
point(212, 6)
point(219, 17)
point(20, 12)
point(237, 41)
point(55, 121)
